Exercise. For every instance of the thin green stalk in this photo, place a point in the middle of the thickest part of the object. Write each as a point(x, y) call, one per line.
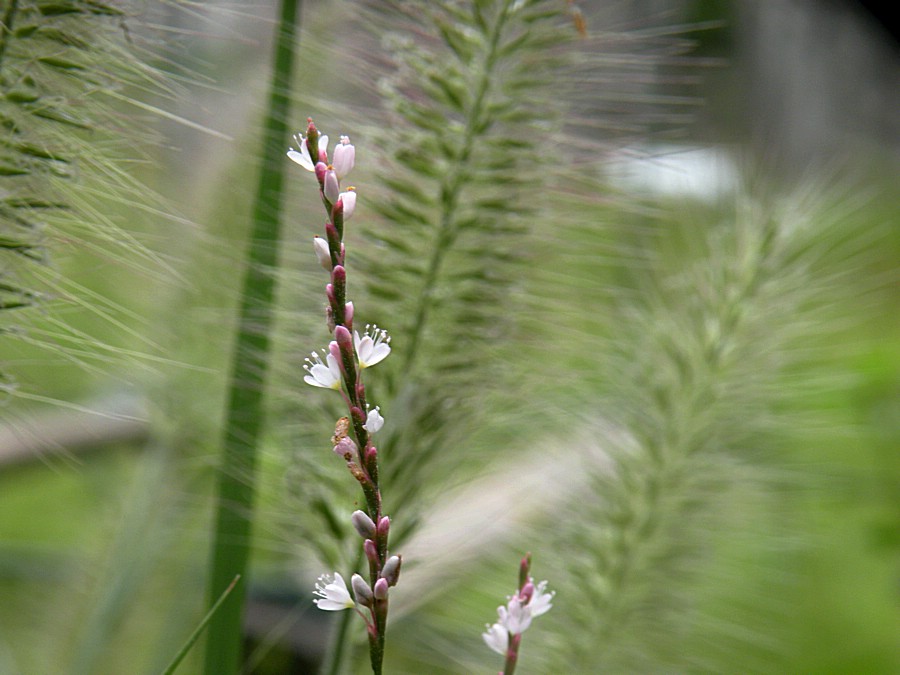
point(198, 631)
point(243, 424)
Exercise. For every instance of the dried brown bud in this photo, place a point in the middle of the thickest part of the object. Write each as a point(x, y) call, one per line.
point(341, 430)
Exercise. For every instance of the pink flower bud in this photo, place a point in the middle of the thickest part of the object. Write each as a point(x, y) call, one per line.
point(381, 589)
point(384, 526)
point(391, 570)
point(527, 592)
point(331, 187)
point(338, 275)
point(363, 525)
point(361, 591)
point(320, 169)
point(343, 338)
point(371, 551)
point(346, 449)
point(348, 315)
point(344, 157)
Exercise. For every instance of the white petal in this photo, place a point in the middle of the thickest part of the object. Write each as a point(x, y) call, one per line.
point(541, 601)
point(333, 594)
point(497, 638)
point(302, 158)
point(518, 616)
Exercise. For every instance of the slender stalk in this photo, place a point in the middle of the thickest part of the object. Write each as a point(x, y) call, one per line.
point(237, 476)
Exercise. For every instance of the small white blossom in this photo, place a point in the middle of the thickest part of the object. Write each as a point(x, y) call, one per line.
point(333, 594)
point(541, 600)
point(344, 157)
point(326, 375)
point(516, 616)
point(497, 638)
point(373, 347)
point(302, 156)
point(374, 421)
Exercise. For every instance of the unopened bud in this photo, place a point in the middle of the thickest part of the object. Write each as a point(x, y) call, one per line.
point(391, 570)
point(384, 526)
point(363, 524)
point(348, 315)
point(345, 448)
point(381, 589)
point(331, 188)
point(322, 252)
point(361, 591)
point(348, 201)
point(371, 551)
point(344, 157)
point(526, 593)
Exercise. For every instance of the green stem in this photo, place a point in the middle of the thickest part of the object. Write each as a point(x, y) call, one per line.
point(237, 476)
point(452, 186)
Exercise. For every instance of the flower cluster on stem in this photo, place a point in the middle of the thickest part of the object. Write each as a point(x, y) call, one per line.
point(340, 367)
point(529, 601)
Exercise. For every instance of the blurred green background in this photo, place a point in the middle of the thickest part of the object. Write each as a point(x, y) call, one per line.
point(790, 109)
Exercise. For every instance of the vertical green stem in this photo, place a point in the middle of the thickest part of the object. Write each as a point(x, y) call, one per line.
point(243, 424)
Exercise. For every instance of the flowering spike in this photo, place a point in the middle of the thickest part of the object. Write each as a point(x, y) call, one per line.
point(333, 594)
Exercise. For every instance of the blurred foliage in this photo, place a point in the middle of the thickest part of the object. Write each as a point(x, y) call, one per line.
point(737, 362)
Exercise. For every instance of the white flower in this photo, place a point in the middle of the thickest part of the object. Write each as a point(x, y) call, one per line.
point(541, 600)
point(344, 157)
point(372, 348)
point(327, 375)
point(302, 156)
point(497, 638)
point(374, 421)
point(515, 616)
point(333, 595)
